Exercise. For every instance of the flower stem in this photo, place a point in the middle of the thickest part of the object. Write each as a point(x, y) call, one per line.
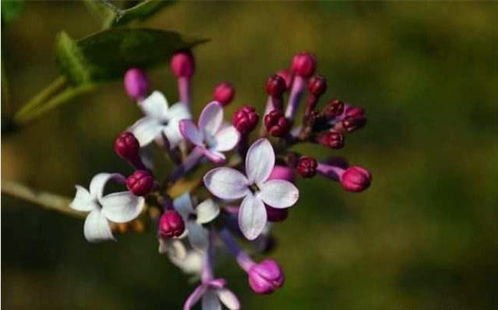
point(243, 259)
point(294, 98)
point(191, 160)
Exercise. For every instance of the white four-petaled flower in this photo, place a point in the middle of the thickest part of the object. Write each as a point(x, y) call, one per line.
point(210, 135)
point(160, 119)
point(254, 188)
point(120, 207)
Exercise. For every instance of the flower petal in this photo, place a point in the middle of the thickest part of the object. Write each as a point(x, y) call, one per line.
point(183, 204)
point(190, 132)
point(172, 132)
point(260, 160)
point(194, 297)
point(197, 235)
point(122, 207)
point(278, 193)
point(207, 211)
point(211, 118)
point(210, 301)
point(146, 130)
point(98, 182)
point(215, 157)
point(179, 111)
point(226, 183)
point(96, 227)
point(228, 299)
point(155, 106)
point(226, 139)
point(83, 201)
point(252, 217)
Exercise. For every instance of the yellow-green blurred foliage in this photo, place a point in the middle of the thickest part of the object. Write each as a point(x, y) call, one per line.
point(422, 237)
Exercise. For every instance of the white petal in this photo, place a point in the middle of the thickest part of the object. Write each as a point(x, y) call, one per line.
point(190, 132)
point(194, 297)
point(172, 132)
point(122, 207)
point(98, 182)
point(226, 183)
point(83, 201)
point(226, 139)
point(211, 118)
point(207, 211)
point(96, 227)
point(197, 235)
point(146, 130)
point(278, 193)
point(228, 299)
point(210, 301)
point(192, 263)
point(174, 247)
point(260, 161)
point(215, 157)
point(179, 111)
point(155, 106)
point(183, 204)
point(252, 217)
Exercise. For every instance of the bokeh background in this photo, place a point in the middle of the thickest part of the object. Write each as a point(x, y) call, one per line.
point(424, 236)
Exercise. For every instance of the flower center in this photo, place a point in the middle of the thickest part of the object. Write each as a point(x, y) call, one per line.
point(254, 188)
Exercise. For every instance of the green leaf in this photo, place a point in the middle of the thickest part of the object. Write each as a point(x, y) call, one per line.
point(106, 55)
point(11, 9)
point(141, 11)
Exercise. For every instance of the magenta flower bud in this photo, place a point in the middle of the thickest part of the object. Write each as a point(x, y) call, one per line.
point(277, 124)
point(266, 277)
point(275, 86)
point(306, 166)
point(317, 85)
point(287, 76)
point(136, 83)
point(224, 93)
point(333, 109)
point(304, 64)
point(355, 112)
point(332, 139)
point(356, 179)
point(183, 64)
point(171, 224)
point(127, 146)
point(140, 183)
point(352, 123)
point(276, 215)
point(245, 119)
point(282, 173)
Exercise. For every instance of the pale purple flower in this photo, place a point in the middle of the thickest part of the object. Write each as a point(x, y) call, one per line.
point(210, 135)
point(160, 119)
point(194, 218)
point(120, 207)
point(255, 188)
point(213, 294)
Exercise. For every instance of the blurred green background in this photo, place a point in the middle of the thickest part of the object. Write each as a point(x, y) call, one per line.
point(424, 236)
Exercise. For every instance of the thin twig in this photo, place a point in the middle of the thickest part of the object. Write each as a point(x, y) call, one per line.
point(43, 199)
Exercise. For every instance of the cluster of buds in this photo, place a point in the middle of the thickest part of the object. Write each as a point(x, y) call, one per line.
point(251, 183)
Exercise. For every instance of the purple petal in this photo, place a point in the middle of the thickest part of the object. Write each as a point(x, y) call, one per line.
point(190, 132)
point(226, 183)
point(226, 139)
point(260, 160)
point(215, 157)
point(278, 193)
point(252, 217)
point(194, 297)
point(210, 301)
point(211, 118)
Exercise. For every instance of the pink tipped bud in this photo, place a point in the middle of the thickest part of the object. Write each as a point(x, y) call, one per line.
point(333, 109)
point(224, 93)
point(277, 124)
point(183, 64)
point(356, 179)
point(282, 173)
point(275, 86)
point(136, 83)
point(245, 119)
point(276, 215)
point(304, 64)
point(266, 277)
point(332, 139)
point(171, 224)
point(317, 85)
point(127, 146)
point(287, 76)
point(352, 123)
point(306, 166)
point(355, 112)
point(140, 183)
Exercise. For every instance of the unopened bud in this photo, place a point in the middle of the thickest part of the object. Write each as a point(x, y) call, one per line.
point(287, 76)
point(245, 119)
point(304, 64)
point(136, 83)
point(127, 146)
point(183, 64)
point(332, 139)
point(317, 85)
point(277, 124)
point(356, 179)
point(171, 224)
point(266, 277)
point(275, 86)
point(224, 93)
point(140, 183)
point(333, 109)
point(306, 166)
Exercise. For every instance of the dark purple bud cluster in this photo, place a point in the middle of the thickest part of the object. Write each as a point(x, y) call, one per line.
point(245, 119)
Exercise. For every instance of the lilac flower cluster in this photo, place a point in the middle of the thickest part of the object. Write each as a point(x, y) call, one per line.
point(251, 186)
